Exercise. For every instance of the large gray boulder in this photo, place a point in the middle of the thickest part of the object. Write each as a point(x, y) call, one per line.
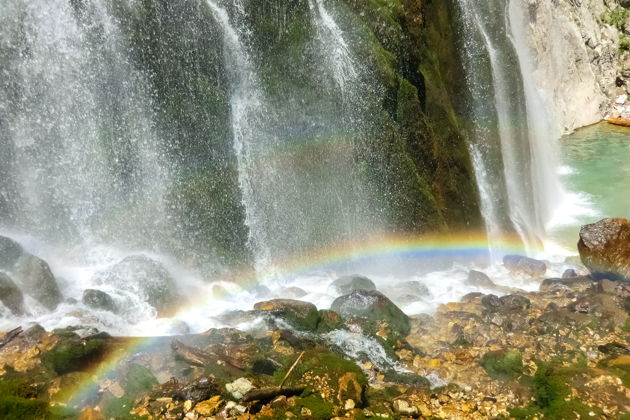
point(30, 273)
point(147, 278)
point(10, 295)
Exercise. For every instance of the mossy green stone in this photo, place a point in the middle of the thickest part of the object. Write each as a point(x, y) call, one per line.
point(503, 364)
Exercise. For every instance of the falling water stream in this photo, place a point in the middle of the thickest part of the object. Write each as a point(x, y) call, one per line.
point(513, 144)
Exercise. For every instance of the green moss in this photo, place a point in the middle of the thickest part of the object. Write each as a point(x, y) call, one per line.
point(16, 408)
point(320, 362)
point(74, 354)
point(550, 391)
point(138, 380)
point(502, 364)
point(626, 325)
point(319, 408)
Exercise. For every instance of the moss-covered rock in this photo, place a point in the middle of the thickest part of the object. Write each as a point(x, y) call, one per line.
point(376, 308)
point(503, 364)
point(300, 315)
point(74, 353)
point(335, 379)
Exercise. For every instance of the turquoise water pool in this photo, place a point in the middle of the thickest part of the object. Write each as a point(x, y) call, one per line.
point(596, 174)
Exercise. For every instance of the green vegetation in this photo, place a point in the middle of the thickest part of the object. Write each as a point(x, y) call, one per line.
point(137, 380)
point(18, 402)
point(74, 354)
point(616, 17)
point(320, 362)
point(502, 364)
point(550, 388)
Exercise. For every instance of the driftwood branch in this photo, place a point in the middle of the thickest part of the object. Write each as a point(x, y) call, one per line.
point(10, 336)
point(291, 369)
point(265, 395)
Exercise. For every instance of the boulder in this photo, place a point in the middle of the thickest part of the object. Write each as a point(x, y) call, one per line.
point(145, 277)
point(10, 295)
point(373, 306)
point(505, 304)
point(569, 273)
point(98, 299)
point(300, 315)
point(580, 284)
point(519, 264)
point(34, 276)
point(605, 248)
point(31, 273)
point(348, 284)
point(479, 279)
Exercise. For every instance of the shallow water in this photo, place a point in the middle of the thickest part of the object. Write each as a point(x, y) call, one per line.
point(596, 168)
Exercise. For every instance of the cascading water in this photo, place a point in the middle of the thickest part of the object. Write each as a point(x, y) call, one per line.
point(511, 142)
point(335, 50)
point(77, 124)
point(294, 202)
point(248, 130)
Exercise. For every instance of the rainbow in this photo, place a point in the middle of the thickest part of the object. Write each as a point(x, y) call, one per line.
point(469, 246)
point(456, 246)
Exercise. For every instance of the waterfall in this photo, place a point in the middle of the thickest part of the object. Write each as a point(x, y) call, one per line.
point(296, 159)
point(548, 191)
point(511, 143)
point(336, 53)
point(80, 152)
point(248, 109)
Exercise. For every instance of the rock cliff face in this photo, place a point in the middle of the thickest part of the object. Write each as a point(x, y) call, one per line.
point(580, 52)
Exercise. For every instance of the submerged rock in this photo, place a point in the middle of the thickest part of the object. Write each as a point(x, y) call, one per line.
point(300, 315)
point(605, 248)
point(10, 295)
point(519, 264)
point(98, 299)
point(348, 284)
point(145, 277)
point(373, 306)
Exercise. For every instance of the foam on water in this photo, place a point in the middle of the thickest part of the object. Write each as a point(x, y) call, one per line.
point(208, 298)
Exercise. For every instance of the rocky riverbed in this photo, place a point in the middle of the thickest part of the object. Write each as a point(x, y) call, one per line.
point(561, 352)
